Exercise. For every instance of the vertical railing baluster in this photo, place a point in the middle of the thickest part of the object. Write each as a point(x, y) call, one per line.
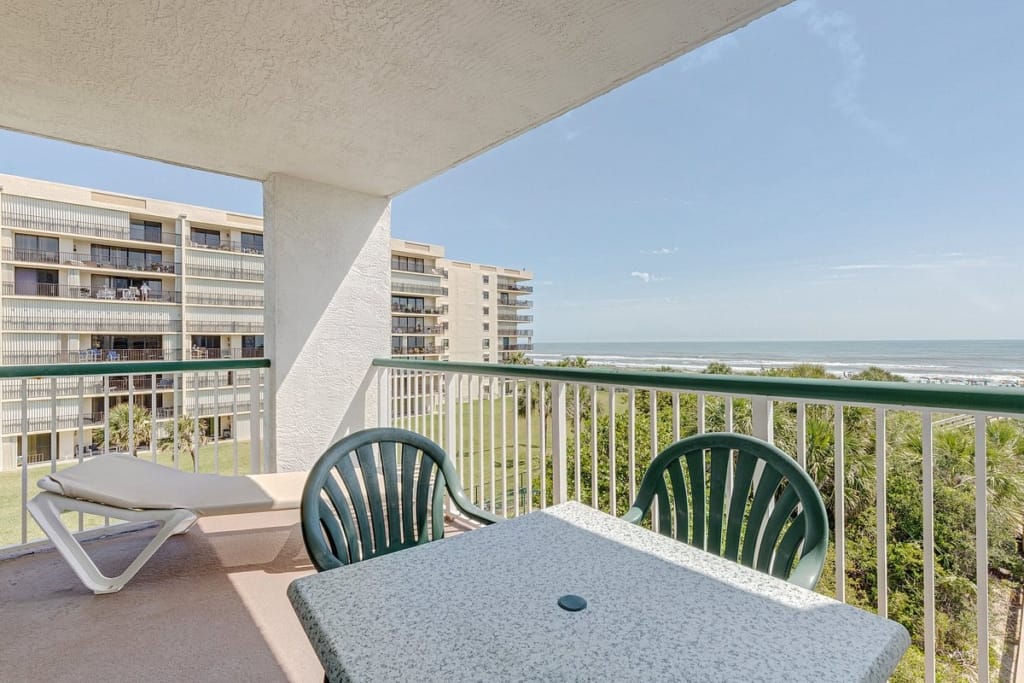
point(451, 381)
point(216, 422)
point(611, 452)
point(594, 501)
point(24, 460)
point(576, 438)
point(234, 421)
point(839, 448)
point(480, 412)
point(492, 477)
point(702, 417)
point(177, 382)
point(676, 417)
point(928, 505)
point(881, 528)
point(515, 442)
point(106, 413)
point(559, 445)
point(468, 411)
point(504, 447)
point(542, 434)
point(981, 539)
point(153, 434)
point(81, 437)
point(53, 424)
point(801, 434)
point(131, 414)
point(529, 447)
point(632, 445)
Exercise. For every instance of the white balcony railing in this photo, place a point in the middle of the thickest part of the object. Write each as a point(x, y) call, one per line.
point(202, 416)
point(523, 438)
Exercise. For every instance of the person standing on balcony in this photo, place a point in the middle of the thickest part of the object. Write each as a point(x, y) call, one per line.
point(144, 291)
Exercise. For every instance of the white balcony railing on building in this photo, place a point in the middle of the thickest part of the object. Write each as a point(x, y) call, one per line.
point(77, 292)
point(522, 436)
point(56, 415)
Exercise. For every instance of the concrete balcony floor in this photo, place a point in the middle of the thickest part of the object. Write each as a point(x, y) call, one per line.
point(209, 606)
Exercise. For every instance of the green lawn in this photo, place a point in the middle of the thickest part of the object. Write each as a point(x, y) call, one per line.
point(11, 484)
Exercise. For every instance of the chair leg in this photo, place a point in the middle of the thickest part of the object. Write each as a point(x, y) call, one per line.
point(46, 508)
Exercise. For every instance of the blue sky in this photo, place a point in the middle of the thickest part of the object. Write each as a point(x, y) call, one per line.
point(832, 171)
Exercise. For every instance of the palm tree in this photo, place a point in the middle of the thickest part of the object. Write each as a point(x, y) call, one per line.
point(189, 438)
point(121, 437)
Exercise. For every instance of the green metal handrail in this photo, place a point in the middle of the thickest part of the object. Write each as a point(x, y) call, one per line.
point(133, 368)
point(957, 399)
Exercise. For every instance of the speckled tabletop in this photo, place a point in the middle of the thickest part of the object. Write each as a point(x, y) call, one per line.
point(483, 606)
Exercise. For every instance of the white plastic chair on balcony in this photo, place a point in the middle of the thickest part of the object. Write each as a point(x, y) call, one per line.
point(135, 490)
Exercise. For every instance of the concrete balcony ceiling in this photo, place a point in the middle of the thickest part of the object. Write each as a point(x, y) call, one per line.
point(370, 96)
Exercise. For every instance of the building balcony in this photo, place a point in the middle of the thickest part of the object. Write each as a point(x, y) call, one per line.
point(510, 286)
point(122, 295)
point(515, 303)
point(420, 269)
point(233, 246)
point(224, 327)
point(509, 315)
point(86, 261)
point(407, 288)
point(48, 357)
point(111, 322)
point(783, 410)
point(233, 300)
point(200, 353)
point(53, 224)
point(426, 310)
point(423, 330)
point(418, 351)
point(225, 272)
point(514, 332)
point(508, 348)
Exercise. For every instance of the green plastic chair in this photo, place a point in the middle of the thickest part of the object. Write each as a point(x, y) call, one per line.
point(771, 510)
point(378, 491)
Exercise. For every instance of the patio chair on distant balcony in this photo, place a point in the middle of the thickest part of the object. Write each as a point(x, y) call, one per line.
point(771, 511)
point(353, 510)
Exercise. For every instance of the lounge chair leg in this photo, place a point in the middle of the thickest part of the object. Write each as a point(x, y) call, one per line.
point(47, 507)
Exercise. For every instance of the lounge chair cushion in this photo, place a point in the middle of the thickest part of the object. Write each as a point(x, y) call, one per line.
point(133, 483)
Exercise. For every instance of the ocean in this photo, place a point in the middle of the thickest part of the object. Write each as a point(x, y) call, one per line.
point(986, 362)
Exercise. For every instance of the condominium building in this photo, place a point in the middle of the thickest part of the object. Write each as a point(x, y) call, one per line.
point(94, 276)
point(456, 310)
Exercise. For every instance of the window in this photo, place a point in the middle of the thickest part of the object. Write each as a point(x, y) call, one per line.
point(406, 325)
point(407, 304)
point(487, 358)
point(35, 248)
point(407, 263)
point(35, 282)
point(487, 295)
point(487, 327)
point(487, 310)
point(119, 257)
point(147, 231)
point(487, 343)
point(252, 243)
point(487, 279)
point(206, 238)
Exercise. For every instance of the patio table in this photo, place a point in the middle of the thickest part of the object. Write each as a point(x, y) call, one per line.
point(484, 605)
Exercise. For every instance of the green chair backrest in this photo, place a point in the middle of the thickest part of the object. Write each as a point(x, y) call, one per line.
point(772, 510)
point(375, 492)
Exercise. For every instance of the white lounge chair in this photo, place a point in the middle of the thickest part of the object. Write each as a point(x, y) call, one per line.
point(135, 490)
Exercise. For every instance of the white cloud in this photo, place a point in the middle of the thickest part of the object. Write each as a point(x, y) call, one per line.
point(943, 262)
point(839, 32)
point(646, 277)
point(662, 251)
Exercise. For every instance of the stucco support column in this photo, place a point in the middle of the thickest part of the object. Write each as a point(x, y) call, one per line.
point(328, 290)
